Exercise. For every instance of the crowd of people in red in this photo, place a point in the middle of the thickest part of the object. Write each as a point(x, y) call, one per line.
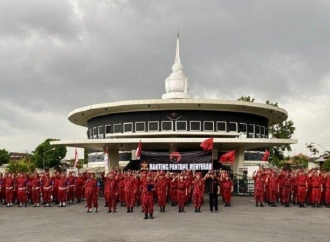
point(130, 189)
point(297, 187)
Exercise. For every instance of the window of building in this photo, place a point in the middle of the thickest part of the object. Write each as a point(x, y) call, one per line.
point(100, 132)
point(208, 126)
point(153, 126)
point(94, 133)
point(167, 126)
point(108, 129)
point(117, 128)
point(181, 125)
point(195, 125)
point(221, 126)
point(263, 132)
point(128, 127)
point(233, 127)
point(251, 131)
point(140, 127)
point(243, 128)
point(258, 131)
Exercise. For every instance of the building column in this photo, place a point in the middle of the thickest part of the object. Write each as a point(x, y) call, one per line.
point(239, 159)
point(113, 160)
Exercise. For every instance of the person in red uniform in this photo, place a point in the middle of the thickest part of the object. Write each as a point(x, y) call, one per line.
point(10, 186)
point(141, 184)
point(22, 185)
point(198, 192)
point(36, 190)
point(79, 187)
point(286, 189)
point(316, 182)
point(302, 188)
point(161, 188)
point(228, 187)
point(273, 188)
point(55, 180)
point(2, 189)
point(47, 187)
point(92, 188)
point(121, 185)
point(259, 188)
point(111, 192)
point(62, 190)
point(173, 190)
point(182, 192)
point(71, 184)
point(130, 190)
point(148, 198)
point(327, 190)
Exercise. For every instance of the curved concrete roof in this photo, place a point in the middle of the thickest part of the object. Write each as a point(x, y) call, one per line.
point(81, 115)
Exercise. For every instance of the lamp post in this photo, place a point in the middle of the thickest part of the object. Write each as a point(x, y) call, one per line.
point(43, 160)
point(320, 146)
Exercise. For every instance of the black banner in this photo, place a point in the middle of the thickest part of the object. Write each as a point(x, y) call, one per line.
point(192, 160)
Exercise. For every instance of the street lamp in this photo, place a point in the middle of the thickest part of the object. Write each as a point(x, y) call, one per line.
point(320, 146)
point(43, 160)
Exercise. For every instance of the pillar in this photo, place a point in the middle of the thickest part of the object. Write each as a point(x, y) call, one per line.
point(113, 160)
point(239, 159)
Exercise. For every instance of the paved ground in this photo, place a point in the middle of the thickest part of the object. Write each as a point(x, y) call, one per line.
point(242, 222)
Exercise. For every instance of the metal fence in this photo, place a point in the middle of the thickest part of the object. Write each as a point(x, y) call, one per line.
point(243, 185)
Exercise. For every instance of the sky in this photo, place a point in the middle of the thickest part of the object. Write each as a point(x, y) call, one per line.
point(56, 56)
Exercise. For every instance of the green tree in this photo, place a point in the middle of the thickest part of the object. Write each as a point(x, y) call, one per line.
point(4, 157)
point(20, 166)
point(85, 156)
point(326, 165)
point(46, 155)
point(246, 99)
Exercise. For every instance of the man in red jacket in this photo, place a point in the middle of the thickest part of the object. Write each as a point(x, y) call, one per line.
point(111, 192)
point(198, 192)
point(22, 185)
point(92, 188)
point(148, 198)
point(130, 190)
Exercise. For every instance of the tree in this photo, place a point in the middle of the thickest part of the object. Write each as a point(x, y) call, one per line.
point(20, 166)
point(312, 149)
point(46, 155)
point(326, 165)
point(4, 157)
point(246, 99)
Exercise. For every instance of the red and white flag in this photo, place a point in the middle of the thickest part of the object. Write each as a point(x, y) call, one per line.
point(228, 157)
point(207, 144)
point(266, 156)
point(106, 160)
point(75, 159)
point(138, 151)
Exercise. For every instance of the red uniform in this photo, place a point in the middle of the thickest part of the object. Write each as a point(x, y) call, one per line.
point(110, 193)
point(71, 183)
point(130, 190)
point(198, 193)
point(161, 188)
point(92, 187)
point(227, 186)
point(62, 191)
point(259, 189)
point(272, 182)
point(316, 190)
point(181, 194)
point(302, 188)
point(148, 199)
point(2, 189)
point(79, 188)
point(121, 192)
point(173, 192)
point(22, 184)
point(9, 191)
point(47, 188)
point(286, 190)
point(327, 191)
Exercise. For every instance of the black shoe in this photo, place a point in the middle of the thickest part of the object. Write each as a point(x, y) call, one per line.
point(96, 210)
point(182, 210)
point(146, 216)
point(199, 210)
point(261, 204)
point(151, 216)
point(257, 205)
point(179, 210)
point(106, 205)
point(196, 211)
point(109, 211)
point(163, 209)
point(128, 210)
point(131, 210)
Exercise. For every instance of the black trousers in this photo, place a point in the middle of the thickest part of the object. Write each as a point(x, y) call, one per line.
point(213, 200)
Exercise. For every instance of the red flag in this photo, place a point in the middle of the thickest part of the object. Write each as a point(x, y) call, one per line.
point(207, 144)
point(229, 156)
point(138, 151)
point(75, 159)
point(266, 156)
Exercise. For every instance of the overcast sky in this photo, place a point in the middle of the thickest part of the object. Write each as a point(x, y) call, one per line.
point(56, 56)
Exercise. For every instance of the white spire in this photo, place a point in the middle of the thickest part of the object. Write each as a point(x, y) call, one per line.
point(177, 85)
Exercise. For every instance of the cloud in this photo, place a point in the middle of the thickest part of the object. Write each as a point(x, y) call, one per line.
point(56, 56)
